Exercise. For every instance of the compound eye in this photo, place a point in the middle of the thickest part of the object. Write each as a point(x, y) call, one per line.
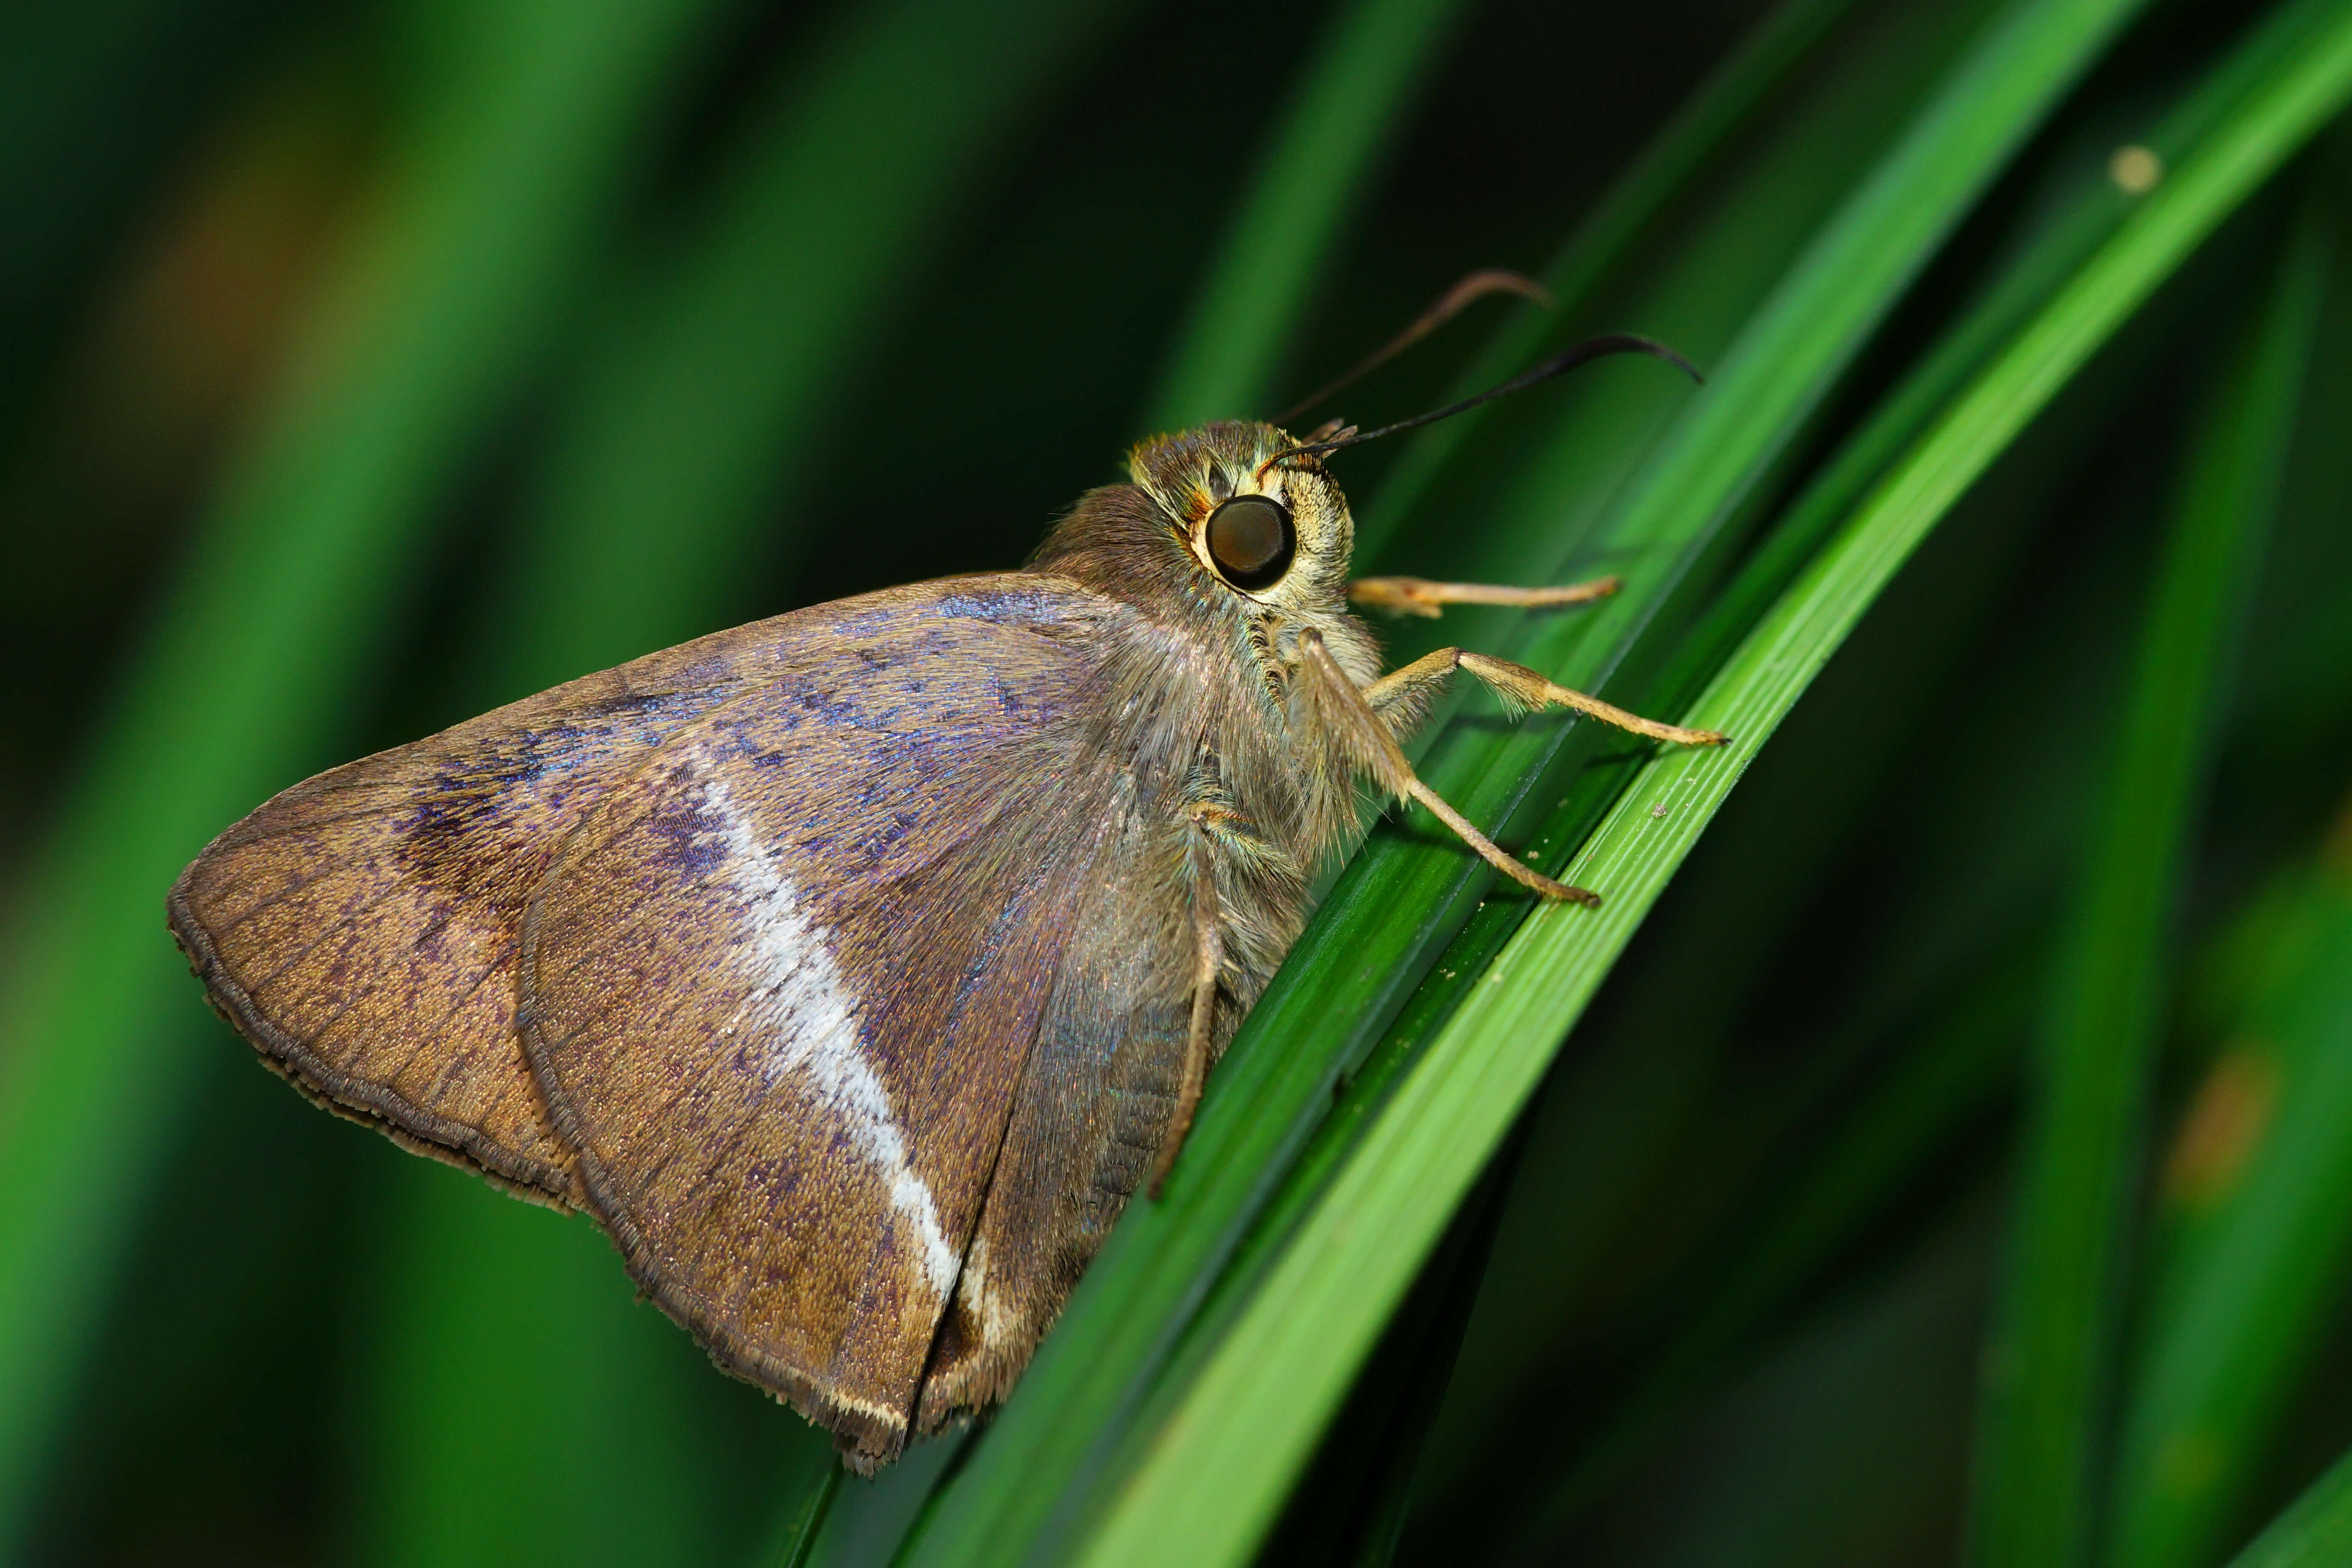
point(1251, 541)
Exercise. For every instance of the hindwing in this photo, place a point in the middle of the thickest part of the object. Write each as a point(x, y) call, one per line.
point(360, 929)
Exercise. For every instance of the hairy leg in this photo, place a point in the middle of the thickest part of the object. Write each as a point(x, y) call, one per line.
point(1402, 697)
point(1371, 746)
point(1208, 962)
point(1419, 596)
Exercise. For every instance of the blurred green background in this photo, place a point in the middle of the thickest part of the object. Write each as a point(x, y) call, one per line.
point(1955, 1165)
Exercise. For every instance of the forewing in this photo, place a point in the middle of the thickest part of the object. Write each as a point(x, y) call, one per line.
point(781, 990)
point(361, 927)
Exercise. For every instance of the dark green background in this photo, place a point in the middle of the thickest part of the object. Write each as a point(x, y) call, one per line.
point(743, 329)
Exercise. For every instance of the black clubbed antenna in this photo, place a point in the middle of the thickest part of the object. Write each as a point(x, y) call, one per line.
point(1472, 288)
point(1568, 359)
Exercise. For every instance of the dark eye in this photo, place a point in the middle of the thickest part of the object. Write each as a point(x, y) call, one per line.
point(1252, 542)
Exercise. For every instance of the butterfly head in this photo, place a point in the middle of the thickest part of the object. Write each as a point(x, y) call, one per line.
point(1213, 520)
point(1256, 531)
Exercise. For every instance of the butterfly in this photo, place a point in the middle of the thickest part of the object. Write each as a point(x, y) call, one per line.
point(854, 968)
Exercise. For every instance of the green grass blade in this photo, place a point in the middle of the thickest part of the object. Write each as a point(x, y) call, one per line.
point(1349, 1510)
point(2254, 1245)
point(448, 299)
point(1211, 1477)
point(2314, 1532)
point(2088, 216)
point(1350, 103)
point(868, 1526)
point(1681, 492)
point(1773, 377)
point(1613, 1143)
point(807, 1521)
point(2054, 1337)
point(1783, 1179)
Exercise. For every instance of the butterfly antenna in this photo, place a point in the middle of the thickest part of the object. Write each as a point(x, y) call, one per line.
point(1568, 359)
point(1453, 302)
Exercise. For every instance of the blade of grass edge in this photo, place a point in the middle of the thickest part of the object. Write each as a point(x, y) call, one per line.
point(1776, 372)
point(2051, 1350)
point(2023, 287)
point(1211, 1477)
point(2316, 1532)
point(808, 1519)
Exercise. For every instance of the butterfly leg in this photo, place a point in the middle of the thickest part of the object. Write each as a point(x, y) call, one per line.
point(1405, 695)
point(1419, 596)
point(1208, 964)
point(1367, 740)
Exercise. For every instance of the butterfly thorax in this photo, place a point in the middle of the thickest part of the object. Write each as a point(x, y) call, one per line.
point(1209, 706)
